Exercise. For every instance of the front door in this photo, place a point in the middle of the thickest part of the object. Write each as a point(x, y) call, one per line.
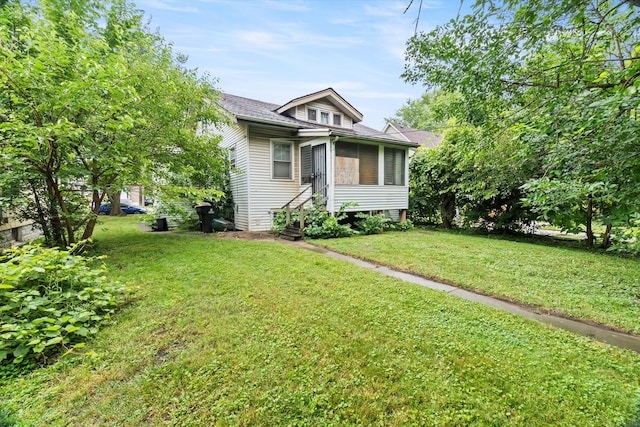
point(319, 171)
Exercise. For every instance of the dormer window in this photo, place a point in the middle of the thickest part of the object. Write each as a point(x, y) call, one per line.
point(337, 119)
point(312, 115)
point(324, 117)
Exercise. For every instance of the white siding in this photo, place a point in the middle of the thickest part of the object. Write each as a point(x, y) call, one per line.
point(371, 197)
point(236, 136)
point(268, 195)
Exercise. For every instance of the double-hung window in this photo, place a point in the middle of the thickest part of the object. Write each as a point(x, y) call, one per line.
point(282, 160)
point(312, 114)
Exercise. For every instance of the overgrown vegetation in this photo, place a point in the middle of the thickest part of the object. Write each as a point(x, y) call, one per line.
point(539, 116)
point(51, 302)
point(320, 224)
point(281, 336)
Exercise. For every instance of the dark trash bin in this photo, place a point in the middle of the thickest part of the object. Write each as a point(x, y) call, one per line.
point(161, 224)
point(206, 214)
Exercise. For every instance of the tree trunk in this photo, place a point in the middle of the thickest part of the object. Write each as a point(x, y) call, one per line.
point(115, 204)
point(606, 239)
point(91, 224)
point(448, 210)
point(589, 221)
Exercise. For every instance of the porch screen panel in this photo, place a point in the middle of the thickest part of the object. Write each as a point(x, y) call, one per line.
point(368, 155)
point(393, 166)
point(347, 163)
point(305, 165)
point(346, 149)
point(356, 164)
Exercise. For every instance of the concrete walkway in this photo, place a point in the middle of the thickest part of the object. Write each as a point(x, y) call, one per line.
point(618, 339)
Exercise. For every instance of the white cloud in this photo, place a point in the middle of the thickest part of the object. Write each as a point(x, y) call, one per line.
point(292, 6)
point(171, 5)
point(261, 40)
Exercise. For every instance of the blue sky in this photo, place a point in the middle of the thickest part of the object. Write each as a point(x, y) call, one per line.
point(278, 50)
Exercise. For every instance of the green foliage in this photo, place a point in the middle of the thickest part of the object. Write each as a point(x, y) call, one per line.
point(372, 224)
point(282, 336)
point(91, 100)
point(319, 224)
point(469, 179)
point(626, 239)
point(280, 219)
point(51, 301)
point(561, 78)
point(434, 110)
point(402, 226)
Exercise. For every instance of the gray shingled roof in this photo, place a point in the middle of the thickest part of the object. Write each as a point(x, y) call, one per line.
point(252, 110)
point(422, 137)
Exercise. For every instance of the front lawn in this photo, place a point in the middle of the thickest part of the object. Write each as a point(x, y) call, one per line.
point(592, 286)
point(228, 332)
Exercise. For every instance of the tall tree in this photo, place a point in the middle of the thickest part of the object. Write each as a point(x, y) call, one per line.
point(92, 100)
point(568, 73)
point(434, 109)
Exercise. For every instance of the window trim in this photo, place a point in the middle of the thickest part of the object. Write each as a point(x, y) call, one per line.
point(339, 116)
point(273, 143)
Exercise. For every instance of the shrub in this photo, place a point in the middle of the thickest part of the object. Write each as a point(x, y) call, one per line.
point(626, 240)
point(372, 224)
point(402, 226)
point(318, 223)
point(51, 301)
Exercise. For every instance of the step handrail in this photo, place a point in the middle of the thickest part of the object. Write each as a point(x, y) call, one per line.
point(300, 207)
point(296, 196)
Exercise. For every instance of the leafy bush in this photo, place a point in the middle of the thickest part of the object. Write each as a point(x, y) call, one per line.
point(373, 224)
point(280, 220)
point(402, 226)
point(626, 240)
point(319, 224)
point(51, 301)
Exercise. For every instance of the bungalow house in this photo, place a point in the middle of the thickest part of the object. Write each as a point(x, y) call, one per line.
point(311, 145)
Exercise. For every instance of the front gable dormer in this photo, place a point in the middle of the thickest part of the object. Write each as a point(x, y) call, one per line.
point(325, 107)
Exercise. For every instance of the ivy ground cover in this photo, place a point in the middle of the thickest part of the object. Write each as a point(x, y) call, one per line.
point(228, 332)
point(592, 286)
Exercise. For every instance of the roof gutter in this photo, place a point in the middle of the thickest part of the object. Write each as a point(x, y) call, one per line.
point(247, 119)
point(314, 132)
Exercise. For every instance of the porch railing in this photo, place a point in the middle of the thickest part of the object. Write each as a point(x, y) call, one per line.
point(289, 210)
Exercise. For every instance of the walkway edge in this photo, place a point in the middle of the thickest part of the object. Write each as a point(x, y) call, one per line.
point(617, 339)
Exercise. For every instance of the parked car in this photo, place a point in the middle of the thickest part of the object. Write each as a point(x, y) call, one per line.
point(126, 208)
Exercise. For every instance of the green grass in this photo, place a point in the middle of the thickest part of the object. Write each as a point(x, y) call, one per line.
point(592, 286)
point(227, 332)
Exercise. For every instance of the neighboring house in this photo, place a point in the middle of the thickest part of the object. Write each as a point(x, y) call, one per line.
point(15, 232)
point(313, 144)
point(421, 137)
